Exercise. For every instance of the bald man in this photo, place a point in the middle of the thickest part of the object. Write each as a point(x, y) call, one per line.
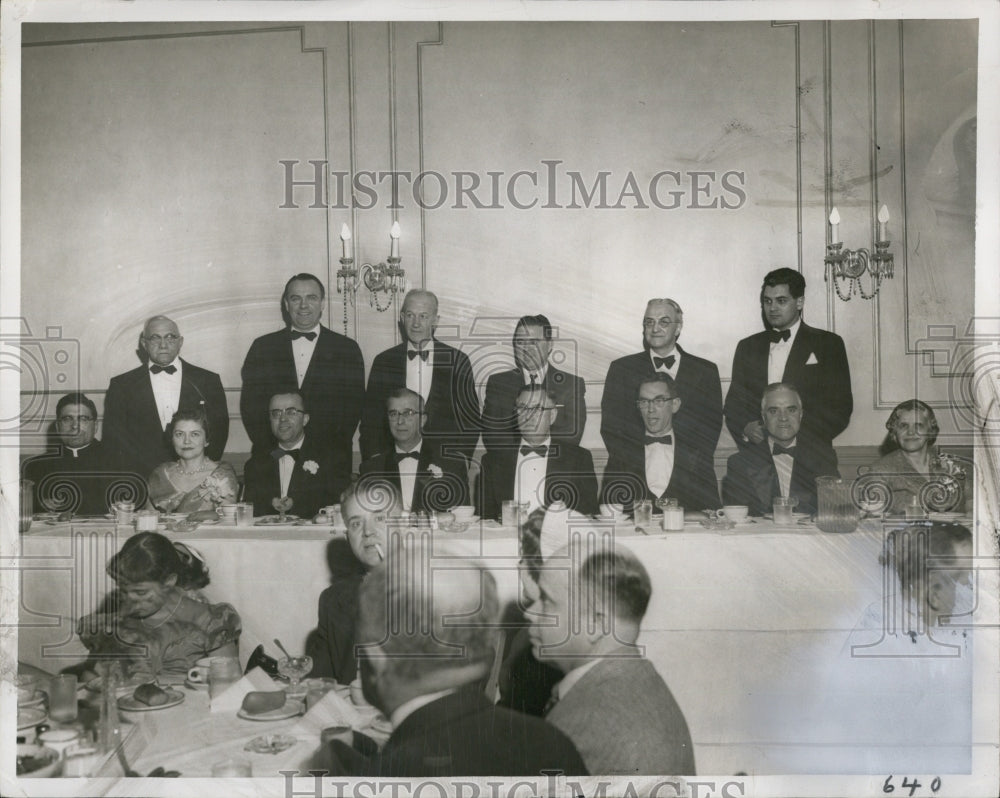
point(139, 404)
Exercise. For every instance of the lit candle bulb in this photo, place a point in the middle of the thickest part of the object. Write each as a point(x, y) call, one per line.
point(394, 238)
point(834, 226)
point(883, 221)
point(345, 237)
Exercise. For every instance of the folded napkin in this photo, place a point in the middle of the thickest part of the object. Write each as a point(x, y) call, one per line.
point(331, 710)
point(232, 698)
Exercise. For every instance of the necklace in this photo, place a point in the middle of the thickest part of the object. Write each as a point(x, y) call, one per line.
point(207, 465)
point(169, 614)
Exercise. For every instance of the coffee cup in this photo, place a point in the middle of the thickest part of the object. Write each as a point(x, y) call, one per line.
point(463, 512)
point(198, 674)
point(737, 513)
point(59, 739)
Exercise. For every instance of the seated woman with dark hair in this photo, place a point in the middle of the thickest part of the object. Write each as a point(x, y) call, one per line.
point(910, 460)
point(193, 483)
point(155, 619)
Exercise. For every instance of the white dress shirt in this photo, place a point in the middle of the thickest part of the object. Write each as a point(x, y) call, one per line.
point(302, 352)
point(529, 476)
point(783, 464)
point(672, 371)
point(659, 465)
point(167, 391)
point(286, 465)
point(777, 355)
point(408, 475)
point(419, 372)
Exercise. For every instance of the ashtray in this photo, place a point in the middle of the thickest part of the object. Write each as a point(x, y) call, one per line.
point(271, 743)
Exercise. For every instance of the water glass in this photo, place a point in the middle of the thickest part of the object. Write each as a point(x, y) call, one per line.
point(509, 513)
point(62, 698)
point(244, 514)
point(146, 520)
point(124, 513)
point(222, 672)
point(232, 768)
point(782, 507)
point(643, 514)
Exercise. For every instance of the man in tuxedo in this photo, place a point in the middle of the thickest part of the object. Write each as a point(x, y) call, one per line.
point(76, 474)
point(785, 463)
point(139, 404)
point(792, 352)
point(441, 374)
point(611, 702)
point(425, 673)
point(425, 480)
point(664, 464)
point(538, 471)
point(326, 368)
point(299, 467)
point(532, 347)
point(699, 419)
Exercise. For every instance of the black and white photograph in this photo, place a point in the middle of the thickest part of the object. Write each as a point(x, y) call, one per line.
point(500, 399)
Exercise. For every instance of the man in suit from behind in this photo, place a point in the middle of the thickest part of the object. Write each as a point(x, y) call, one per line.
point(792, 352)
point(786, 463)
point(425, 480)
point(699, 420)
point(299, 467)
point(139, 404)
point(441, 374)
point(664, 464)
point(611, 702)
point(532, 349)
point(539, 471)
point(326, 368)
point(426, 673)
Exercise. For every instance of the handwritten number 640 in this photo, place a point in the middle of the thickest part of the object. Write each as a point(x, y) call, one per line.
point(912, 786)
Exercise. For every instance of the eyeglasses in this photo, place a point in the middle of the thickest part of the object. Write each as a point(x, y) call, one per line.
point(156, 340)
point(531, 408)
point(68, 421)
point(659, 402)
point(664, 322)
point(406, 414)
point(288, 412)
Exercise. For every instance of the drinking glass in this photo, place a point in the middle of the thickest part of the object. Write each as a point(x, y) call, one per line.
point(295, 670)
point(62, 698)
point(244, 514)
point(232, 768)
point(282, 504)
point(643, 513)
point(124, 513)
point(508, 513)
point(222, 672)
point(783, 506)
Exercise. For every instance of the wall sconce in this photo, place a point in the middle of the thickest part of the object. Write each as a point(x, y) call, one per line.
point(387, 277)
point(849, 265)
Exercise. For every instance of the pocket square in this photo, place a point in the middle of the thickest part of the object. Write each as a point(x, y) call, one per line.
point(812, 361)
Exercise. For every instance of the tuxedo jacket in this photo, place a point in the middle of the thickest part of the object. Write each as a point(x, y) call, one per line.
point(463, 734)
point(431, 492)
point(692, 481)
point(81, 484)
point(698, 422)
point(452, 406)
point(500, 418)
point(131, 430)
point(331, 644)
point(308, 491)
point(333, 388)
point(569, 477)
point(624, 720)
point(752, 479)
point(823, 384)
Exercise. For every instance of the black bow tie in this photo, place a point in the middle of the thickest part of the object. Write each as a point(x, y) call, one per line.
point(401, 456)
point(309, 336)
point(155, 369)
point(667, 439)
point(278, 453)
point(775, 335)
point(539, 450)
point(660, 362)
point(412, 353)
point(779, 449)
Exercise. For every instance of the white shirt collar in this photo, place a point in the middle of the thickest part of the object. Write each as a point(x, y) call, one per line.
point(313, 330)
point(296, 445)
point(793, 330)
point(175, 362)
point(539, 374)
point(407, 708)
point(571, 678)
point(415, 449)
point(788, 445)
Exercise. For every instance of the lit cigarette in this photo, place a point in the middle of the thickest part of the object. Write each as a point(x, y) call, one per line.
point(379, 552)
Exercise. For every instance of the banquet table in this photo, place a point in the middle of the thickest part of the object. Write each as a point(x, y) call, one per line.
point(747, 627)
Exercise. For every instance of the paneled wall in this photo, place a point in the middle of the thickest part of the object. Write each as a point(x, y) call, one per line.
point(153, 182)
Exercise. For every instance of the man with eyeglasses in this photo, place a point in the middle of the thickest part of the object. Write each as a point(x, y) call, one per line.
point(539, 471)
point(532, 344)
point(439, 373)
point(73, 476)
point(140, 403)
point(298, 467)
point(698, 421)
point(326, 368)
point(426, 481)
point(665, 465)
point(786, 463)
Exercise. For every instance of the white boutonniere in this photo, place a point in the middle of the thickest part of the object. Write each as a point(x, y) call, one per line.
point(436, 471)
point(311, 466)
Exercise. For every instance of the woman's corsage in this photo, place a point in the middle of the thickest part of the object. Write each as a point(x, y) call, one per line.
point(217, 489)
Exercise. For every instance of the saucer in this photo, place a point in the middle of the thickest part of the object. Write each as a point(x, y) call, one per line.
point(202, 686)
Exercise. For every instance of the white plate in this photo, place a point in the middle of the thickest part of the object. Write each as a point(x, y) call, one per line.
point(202, 686)
point(128, 704)
point(271, 520)
point(36, 700)
point(291, 708)
point(29, 716)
